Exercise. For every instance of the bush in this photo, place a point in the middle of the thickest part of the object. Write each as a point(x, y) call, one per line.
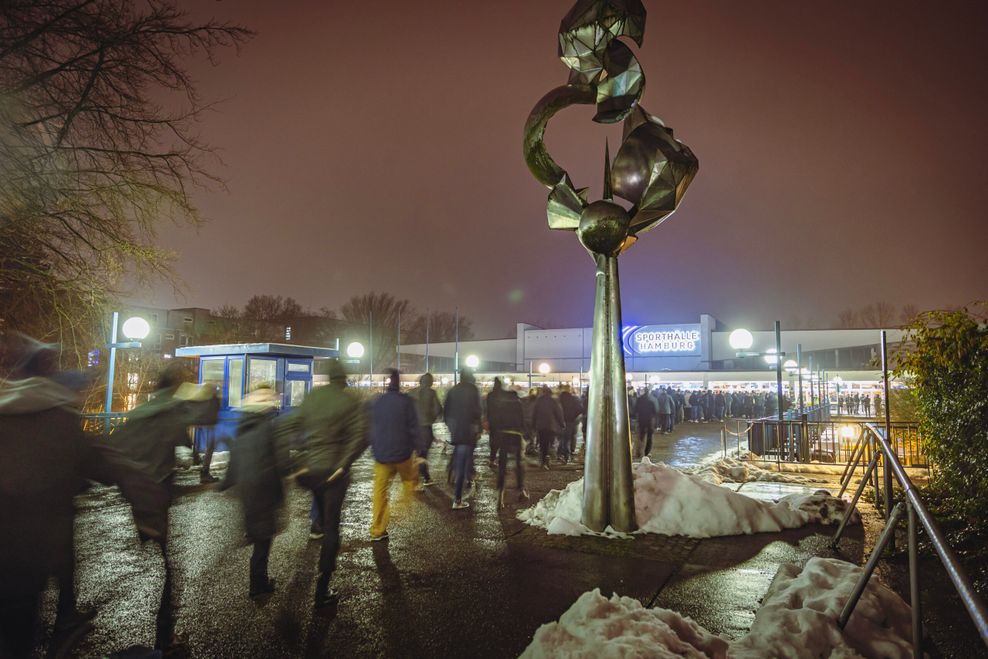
point(945, 360)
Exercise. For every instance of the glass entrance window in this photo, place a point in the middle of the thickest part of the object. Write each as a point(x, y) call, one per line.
point(235, 391)
point(262, 372)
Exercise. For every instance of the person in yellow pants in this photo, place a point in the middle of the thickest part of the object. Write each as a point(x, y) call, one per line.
point(394, 439)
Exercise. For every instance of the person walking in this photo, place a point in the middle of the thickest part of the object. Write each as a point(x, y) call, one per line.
point(258, 463)
point(333, 424)
point(463, 416)
point(548, 420)
point(429, 409)
point(664, 406)
point(47, 460)
point(572, 409)
point(646, 409)
point(528, 411)
point(507, 422)
point(149, 438)
point(394, 437)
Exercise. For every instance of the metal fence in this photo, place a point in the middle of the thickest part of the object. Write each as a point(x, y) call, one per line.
point(833, 441)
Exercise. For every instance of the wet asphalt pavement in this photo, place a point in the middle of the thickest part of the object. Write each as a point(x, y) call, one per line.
point(473, 582)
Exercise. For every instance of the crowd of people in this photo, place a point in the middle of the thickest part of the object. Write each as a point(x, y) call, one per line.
point(859, 403)
point(314, 445)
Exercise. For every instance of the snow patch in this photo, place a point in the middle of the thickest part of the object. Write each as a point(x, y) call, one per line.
point(729, 470)
point(670, 502)
point(798, 618)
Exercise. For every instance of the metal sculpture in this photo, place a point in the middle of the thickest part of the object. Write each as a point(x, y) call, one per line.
point(651, 170)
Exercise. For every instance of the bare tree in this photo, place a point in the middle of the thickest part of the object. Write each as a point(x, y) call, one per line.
point(374, 318)
point(91, 159)
point(849, 318)
point(908, 314)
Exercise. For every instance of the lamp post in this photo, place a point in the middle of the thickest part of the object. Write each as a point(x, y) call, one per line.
point(134, 328)
point(742, 340)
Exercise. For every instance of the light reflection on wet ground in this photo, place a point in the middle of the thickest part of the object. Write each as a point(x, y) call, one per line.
point(447, 583)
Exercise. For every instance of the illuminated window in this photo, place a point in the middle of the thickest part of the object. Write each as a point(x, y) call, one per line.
point(236, 386)
point(262, 371)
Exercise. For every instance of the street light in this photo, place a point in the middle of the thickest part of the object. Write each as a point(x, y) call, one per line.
point(771, 357)
point(134, 328)
point(544, 368)
point(741, 339)
point(472, 361)
point(355, 350)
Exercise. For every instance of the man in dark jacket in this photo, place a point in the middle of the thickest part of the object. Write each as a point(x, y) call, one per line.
point(572, 409)
point(333, 423)
point(646, 410)
point(507, 422)
point(429, 410)
point(394, 436)
point(548, 420)
point(258, 462)
point(463, 415)
point(47, 460)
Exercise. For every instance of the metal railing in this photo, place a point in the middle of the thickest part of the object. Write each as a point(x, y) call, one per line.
point(101, 423)
point(914, 509)
point(829, 441)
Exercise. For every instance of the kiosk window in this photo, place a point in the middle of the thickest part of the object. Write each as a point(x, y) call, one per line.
point(296, 392)
point(236, 386)
point(262, 371)
point(212, 372)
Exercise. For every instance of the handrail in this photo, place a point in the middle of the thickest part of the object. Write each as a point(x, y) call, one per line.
point(916, 509)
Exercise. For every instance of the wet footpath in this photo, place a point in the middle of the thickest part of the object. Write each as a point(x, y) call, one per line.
point(474, 582)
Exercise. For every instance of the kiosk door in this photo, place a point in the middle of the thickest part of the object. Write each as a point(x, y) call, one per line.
point(298, 381)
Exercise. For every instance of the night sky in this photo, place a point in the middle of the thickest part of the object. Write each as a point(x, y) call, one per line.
point(377, 146)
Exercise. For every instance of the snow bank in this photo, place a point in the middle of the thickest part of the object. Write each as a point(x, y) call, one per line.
point(798, 618)
point(729, 470)
point(621, 627)
point(670, 502)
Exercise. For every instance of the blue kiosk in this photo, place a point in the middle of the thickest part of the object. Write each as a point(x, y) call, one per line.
point(238, 368)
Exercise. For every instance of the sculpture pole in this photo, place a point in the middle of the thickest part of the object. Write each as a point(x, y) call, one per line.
point(608, 488)
point(652, 170)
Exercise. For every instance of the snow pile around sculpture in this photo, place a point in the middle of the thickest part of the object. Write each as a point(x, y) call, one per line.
point(798, 618)
point(670, 502)
point(730, 470)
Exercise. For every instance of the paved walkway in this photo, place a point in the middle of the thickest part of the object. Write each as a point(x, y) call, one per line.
point(448, 583)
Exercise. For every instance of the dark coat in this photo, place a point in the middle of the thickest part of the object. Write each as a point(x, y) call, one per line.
point(46, 461)
point(646, 408)
point(572, 408)
point(258, 462)
point(506, 419)
point(462, 413)
point(548, 414)
point(154, 429)
point(394, 428)
point(333, 424)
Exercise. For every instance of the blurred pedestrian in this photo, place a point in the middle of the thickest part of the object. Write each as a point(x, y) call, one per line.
point(258, 463)
point(528, 413)
point(462, 415)
point(47, 460)
point(572, 409)
point(548, 420)
point(394, 437)
point(333, 424)
point(429, 410)
point(149, 438)
point(646, 409)
point(506, 421)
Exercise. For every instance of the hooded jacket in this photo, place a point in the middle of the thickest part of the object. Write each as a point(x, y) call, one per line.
point(333, 423)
